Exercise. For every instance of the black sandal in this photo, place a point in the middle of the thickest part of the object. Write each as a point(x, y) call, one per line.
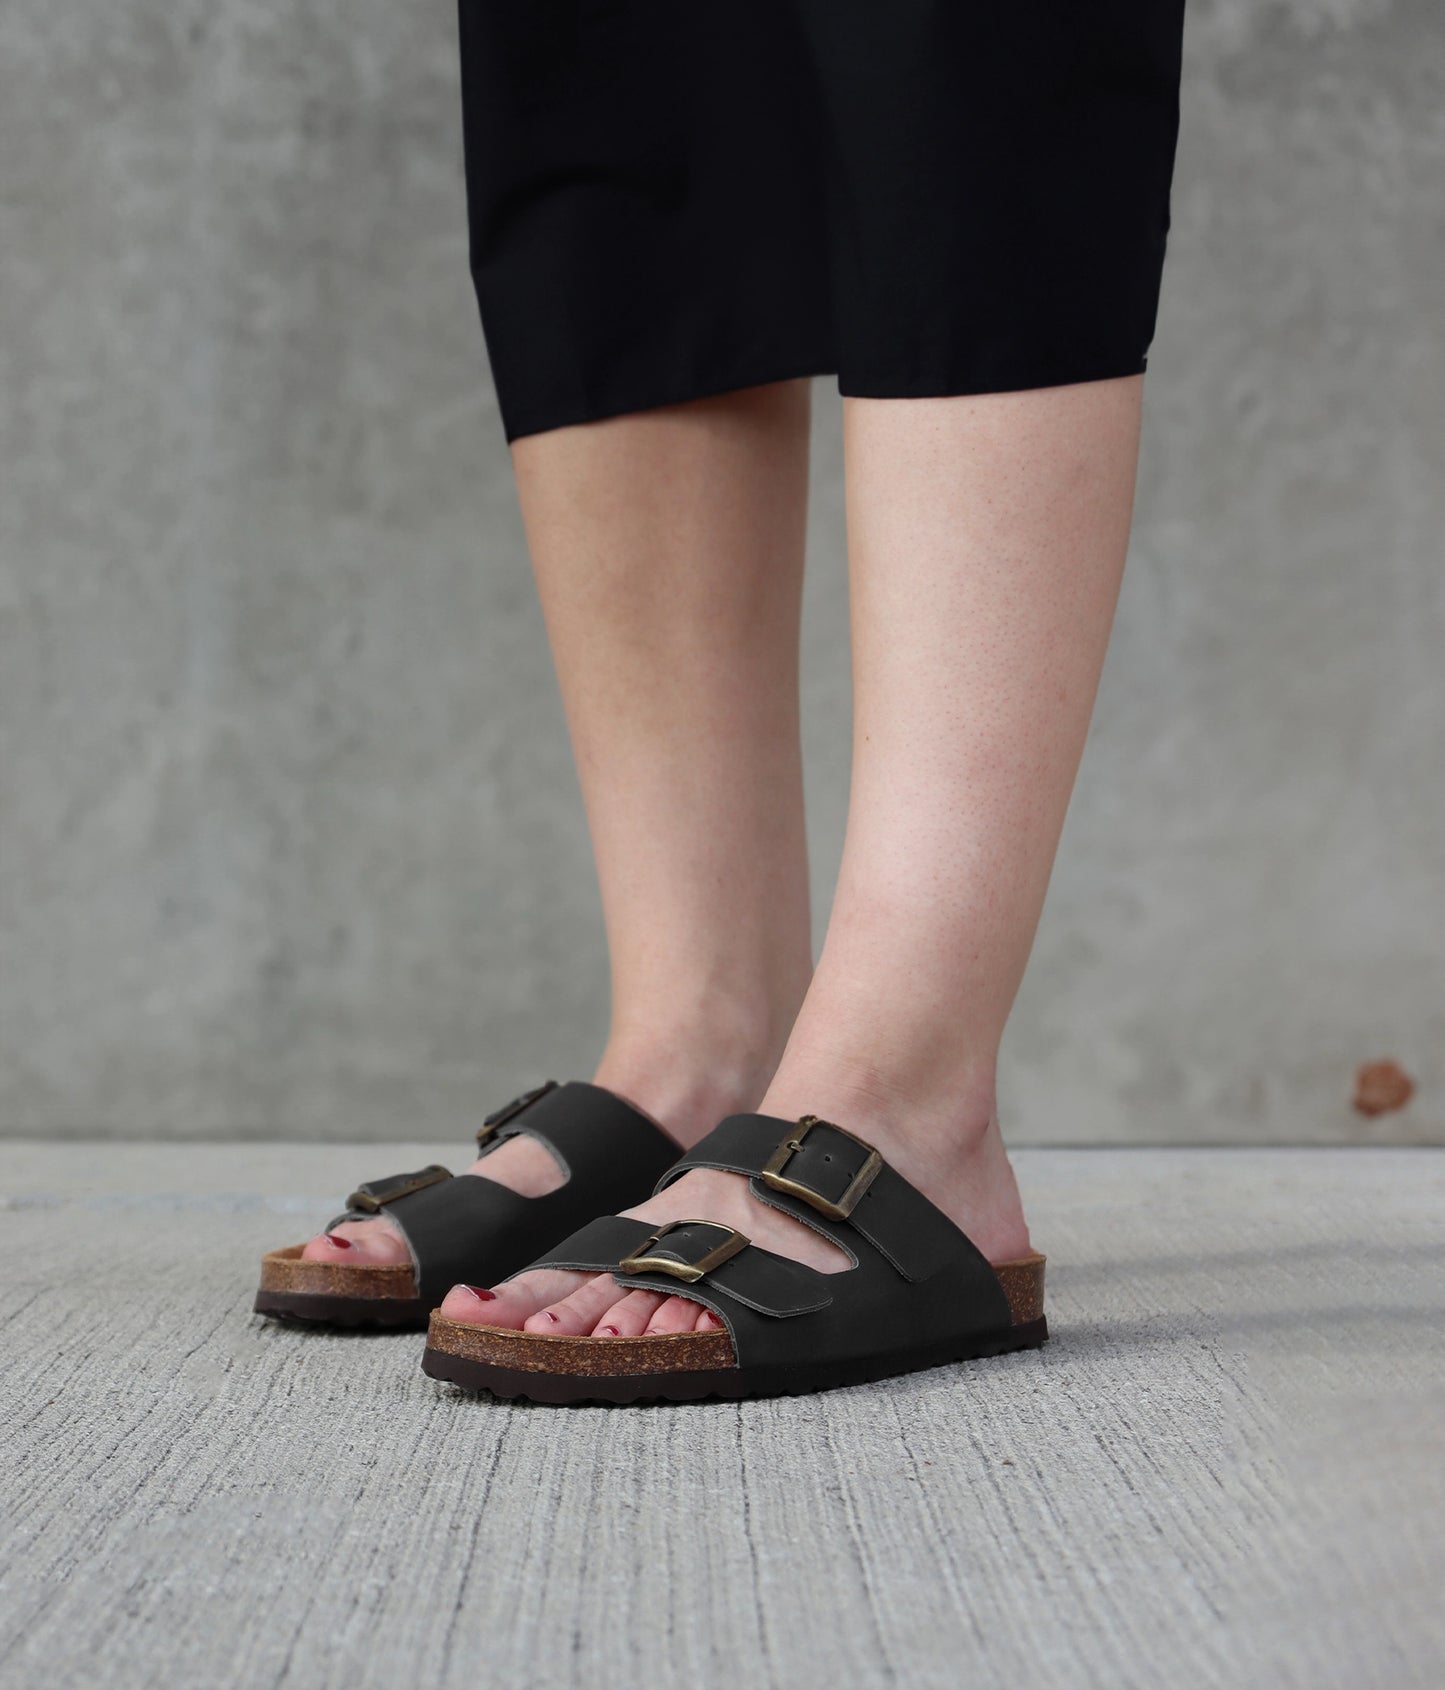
point(472, 1231)
point(919, 1294)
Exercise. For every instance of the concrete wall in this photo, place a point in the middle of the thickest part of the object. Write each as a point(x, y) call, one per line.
point(291, 841)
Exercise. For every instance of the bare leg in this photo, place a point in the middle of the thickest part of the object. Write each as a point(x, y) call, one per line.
point(987, 540)
point(668, 548)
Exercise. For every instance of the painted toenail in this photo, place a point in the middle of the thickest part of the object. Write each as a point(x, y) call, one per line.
point(481, 1293)
point(555, 1319)
point(612, 1331)
point(340, 1243)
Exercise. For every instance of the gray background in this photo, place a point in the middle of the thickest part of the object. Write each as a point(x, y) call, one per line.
point(291, 841)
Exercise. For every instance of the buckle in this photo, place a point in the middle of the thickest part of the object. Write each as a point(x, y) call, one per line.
point(677, 1266)
point(509, 1111)
point(372, 1199)
point(836, 1208)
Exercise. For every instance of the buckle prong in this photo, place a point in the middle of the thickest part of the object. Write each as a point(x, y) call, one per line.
point(773, 1176)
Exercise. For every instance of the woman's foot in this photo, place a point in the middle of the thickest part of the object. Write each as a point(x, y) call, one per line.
point(958, 1162)
point(684, 1107)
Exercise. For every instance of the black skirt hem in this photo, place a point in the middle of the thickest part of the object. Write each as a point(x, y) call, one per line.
point(601, 407)
point(519, 423)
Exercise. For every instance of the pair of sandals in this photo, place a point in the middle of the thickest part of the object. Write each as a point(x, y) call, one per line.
point(919, 1294)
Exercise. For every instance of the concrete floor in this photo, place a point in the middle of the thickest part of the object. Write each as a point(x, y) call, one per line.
point(1227, 1469)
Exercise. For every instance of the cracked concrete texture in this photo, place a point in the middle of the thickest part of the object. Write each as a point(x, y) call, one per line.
point(291, 837)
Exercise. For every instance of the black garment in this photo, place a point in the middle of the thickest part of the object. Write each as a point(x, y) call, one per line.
point(671, 198)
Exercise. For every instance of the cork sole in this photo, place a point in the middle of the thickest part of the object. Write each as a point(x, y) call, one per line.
point(332, 1294)
point(694, 1366)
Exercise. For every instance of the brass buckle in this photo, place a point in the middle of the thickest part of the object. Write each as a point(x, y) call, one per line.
point(773, 1177)
point(690, 1272)
point(369, 1202)
point(509, 1112)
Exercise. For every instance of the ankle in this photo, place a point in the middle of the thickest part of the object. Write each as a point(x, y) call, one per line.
point(924, 1107)
point(686, 1088)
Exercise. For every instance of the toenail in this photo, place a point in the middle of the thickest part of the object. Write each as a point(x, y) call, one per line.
point(653, 1332)
point(612, 1331)
point(340, 1243)
point(481, 1293)
point(555, 1319)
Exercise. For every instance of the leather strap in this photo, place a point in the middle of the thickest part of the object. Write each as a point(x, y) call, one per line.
point(377, 1194)
point(470, 1230)
point(453, 1227)
point(596, 1247)
point(572, 1120)
point(756, 1278)
point(895, 1218)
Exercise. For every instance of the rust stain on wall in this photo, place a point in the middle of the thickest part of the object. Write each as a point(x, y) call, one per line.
point(1381, 1087)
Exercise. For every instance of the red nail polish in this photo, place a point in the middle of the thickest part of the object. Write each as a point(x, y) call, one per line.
point(611, 1331)
point(340, 1243)
point(556, 1321)
point(481, 1293)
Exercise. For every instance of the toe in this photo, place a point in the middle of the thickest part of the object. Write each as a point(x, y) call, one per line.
point(576, 1315)
point(471, 1303)
point(511, 1303)
point(707, 1321)
point(677, 1314)
point(359, 1244)
point(629, 1316)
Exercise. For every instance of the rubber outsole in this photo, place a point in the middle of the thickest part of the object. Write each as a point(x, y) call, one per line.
point(392, 1313)
point(725, 1384)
